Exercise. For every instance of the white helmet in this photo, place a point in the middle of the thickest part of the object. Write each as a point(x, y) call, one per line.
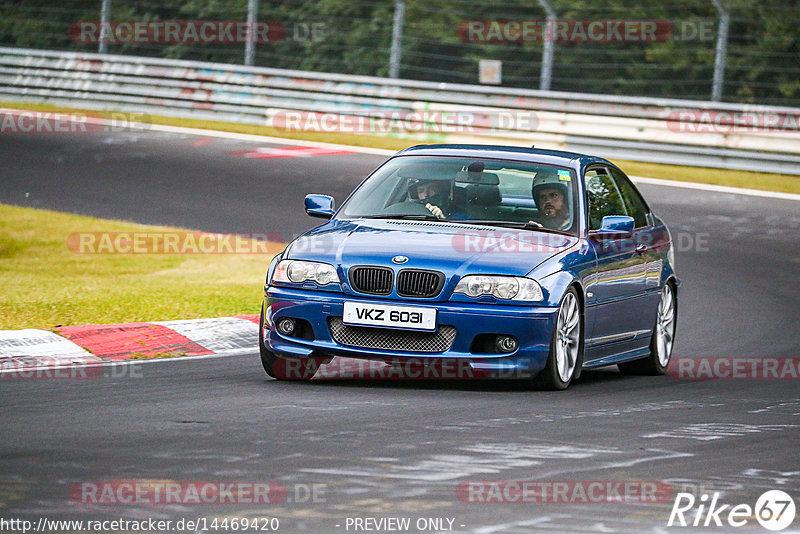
point(548, 178)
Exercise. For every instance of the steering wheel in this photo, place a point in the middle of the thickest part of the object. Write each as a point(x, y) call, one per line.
point(407, 208)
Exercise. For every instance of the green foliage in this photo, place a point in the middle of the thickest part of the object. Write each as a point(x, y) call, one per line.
point(354, 37)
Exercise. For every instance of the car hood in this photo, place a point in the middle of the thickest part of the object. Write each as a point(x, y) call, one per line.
point(452, 248)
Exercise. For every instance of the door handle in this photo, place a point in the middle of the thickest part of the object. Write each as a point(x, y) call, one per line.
point(641, 248)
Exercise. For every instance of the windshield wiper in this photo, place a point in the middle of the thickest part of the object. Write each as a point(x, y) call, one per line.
point(517, 224)
point(507, 224)
point(413, 217)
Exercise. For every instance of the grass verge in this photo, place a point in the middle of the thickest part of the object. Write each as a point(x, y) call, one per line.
point(46, 283)
point(764, 181)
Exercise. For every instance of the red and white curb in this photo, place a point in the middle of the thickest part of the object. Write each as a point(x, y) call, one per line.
point(29, 348)
point(98, 344)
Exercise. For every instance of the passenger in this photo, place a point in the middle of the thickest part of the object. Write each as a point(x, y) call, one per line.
point(550, 195)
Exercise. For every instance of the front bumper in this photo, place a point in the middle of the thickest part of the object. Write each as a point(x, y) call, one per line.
point(532, 326)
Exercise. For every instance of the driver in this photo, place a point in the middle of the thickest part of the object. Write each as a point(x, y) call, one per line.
point(430, 193)
point(550, 193)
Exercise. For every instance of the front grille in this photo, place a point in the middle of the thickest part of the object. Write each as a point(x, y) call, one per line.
point(391, 339)
point(414, 283)
point(372, 280)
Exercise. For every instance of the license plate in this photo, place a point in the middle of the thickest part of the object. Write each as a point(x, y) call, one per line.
point(412, 317)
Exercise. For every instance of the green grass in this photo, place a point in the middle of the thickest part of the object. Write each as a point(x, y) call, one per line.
point(45, 284)
point(747, 179)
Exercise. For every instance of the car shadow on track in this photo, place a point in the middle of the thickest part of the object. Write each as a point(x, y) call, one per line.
point(589, 379)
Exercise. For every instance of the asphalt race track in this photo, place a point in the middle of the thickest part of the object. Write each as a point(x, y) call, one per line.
point(384, 449)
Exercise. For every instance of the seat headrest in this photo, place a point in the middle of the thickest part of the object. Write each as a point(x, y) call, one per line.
point(483, 195)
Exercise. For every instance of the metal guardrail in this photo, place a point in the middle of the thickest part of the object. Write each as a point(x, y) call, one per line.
point(635, 128)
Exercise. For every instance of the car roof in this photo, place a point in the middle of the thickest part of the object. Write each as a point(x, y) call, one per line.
point(535, 155)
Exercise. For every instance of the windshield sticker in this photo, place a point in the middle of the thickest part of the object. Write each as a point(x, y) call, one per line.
point(564, 175)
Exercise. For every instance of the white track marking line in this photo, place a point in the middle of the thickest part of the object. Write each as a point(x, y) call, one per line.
point(384, 152)
point(716, 188)
point(267, 139)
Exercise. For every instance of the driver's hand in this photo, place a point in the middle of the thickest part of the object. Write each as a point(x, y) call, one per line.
point(534, 223)
point(436, 210)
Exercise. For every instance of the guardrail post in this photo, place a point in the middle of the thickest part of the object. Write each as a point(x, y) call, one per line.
point(547, 46)
point(105, 13)
point(722, 51)
point(250, 43)
point(397, 38)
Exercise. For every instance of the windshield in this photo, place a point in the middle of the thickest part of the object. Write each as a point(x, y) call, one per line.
point(499, 192)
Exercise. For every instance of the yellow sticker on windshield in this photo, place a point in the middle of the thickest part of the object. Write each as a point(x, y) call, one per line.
point(564, 175)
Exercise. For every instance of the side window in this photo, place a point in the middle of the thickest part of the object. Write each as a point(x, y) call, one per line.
point(602, 196)
point(632, 199)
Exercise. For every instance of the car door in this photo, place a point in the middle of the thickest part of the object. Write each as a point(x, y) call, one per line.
point(617, 288)
point(650, 242)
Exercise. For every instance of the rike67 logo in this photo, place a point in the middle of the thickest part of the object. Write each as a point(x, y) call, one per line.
point(774, 510)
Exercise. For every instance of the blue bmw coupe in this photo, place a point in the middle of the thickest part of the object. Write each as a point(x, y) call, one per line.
point(510, 262)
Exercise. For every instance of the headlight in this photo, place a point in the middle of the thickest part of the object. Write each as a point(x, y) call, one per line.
point(297, 272)
point(502, 287)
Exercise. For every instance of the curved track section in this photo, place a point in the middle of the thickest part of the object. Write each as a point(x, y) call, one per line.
point(381, 449)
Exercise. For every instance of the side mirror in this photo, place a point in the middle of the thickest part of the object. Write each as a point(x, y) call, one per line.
point(320, 206)
point(616, 224)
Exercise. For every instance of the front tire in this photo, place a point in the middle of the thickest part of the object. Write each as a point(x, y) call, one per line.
point(284, 368)
point(661, 342)
point(566, 346)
